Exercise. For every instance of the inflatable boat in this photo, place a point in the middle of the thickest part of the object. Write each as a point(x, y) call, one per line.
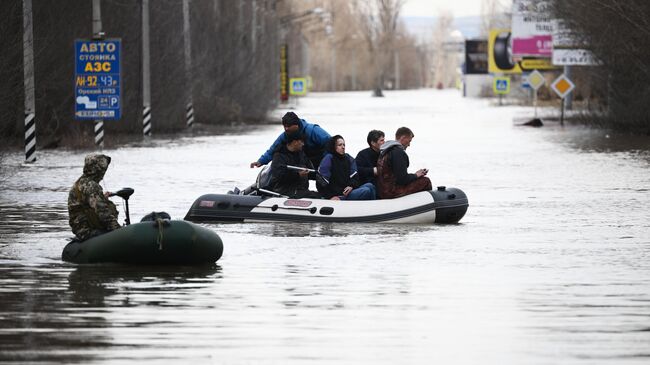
point(155, 240)
point(443, 205)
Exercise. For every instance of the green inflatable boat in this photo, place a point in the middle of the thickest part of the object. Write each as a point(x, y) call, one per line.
point(154, 240)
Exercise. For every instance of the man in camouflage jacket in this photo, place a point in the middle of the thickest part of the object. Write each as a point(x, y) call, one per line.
point(90, 211)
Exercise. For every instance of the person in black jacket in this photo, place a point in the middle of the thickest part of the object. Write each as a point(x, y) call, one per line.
point(339, 177)
point(367, 158)
point(288, 181)
point(393, 179)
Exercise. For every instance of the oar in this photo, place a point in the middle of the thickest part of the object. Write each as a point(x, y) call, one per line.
point(298, 168)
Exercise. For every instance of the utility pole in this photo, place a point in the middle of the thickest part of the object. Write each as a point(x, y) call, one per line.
point(187, 37)
point(146, 72)
point(28, 74)
point(569, 98)
point(396, 60)
point(98, 34)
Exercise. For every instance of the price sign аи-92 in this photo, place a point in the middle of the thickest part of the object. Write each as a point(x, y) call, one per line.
point(97, 79)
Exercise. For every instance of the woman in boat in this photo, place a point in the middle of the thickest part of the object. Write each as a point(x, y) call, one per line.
point(340, 179)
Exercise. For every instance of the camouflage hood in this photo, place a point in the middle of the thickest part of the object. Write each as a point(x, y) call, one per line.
point(95, 166)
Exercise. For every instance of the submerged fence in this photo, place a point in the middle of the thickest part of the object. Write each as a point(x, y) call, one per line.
point(227, 72)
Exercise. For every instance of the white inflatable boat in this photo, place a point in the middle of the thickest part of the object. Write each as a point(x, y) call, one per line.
point(443, 205)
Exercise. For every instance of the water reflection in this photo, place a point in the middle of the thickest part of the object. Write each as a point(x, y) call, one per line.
point(283, 229)
point(58, 314)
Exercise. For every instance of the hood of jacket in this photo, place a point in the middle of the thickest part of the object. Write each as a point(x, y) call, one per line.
point(388, 145)
point(95, 166)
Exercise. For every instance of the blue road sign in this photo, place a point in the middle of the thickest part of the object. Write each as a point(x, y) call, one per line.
point(97, 79)
point(298, 86)
point(501, 85)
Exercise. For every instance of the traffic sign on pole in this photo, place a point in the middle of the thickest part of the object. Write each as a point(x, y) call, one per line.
point(536, 80)
point(501, 85)
point(298, 86)
point(562, 86)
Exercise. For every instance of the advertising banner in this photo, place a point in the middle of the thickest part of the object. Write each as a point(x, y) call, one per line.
point(97, 79)
point(500, 58)
point(532, 29)
point(567, 51)
point(476, 57)
point(284, 73)
point(499, 53)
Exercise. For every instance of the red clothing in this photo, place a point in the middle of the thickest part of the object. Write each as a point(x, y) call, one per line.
point(387, 184)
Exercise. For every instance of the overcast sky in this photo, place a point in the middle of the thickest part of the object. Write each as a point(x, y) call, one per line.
point(432, 7)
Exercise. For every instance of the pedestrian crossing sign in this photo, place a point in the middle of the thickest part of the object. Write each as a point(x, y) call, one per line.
point(298, 86)
point(501, 85)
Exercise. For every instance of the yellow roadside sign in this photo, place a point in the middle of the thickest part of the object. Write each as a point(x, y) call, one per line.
point(298, 86)
point(499, 57)
point(536, 80)
point(537, 64)
point(562, 86)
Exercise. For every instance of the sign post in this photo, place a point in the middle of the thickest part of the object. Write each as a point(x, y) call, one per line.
point(562, 87)
point(298, 86)
point(284, 73)
point(28, 74)
point(536, 80)
point(501, 86)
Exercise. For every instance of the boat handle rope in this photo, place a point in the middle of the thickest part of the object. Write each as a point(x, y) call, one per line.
point(275, 207)
point(161, 223)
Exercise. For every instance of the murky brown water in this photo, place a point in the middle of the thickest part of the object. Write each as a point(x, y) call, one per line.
point(551, 264)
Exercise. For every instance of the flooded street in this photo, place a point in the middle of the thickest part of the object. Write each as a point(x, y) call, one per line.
point(550, 265)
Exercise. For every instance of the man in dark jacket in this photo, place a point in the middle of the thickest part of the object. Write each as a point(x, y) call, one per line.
point(315, 140)
point(89, 210)
point(393, 179)
point(367, 158)
point(288, 181)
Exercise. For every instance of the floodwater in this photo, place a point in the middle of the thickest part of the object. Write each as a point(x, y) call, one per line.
point(551, 264)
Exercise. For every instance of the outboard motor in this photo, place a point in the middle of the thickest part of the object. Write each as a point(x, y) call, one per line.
point(125, 193)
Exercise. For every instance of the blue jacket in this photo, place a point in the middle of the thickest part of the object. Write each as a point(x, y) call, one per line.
point(315, 142)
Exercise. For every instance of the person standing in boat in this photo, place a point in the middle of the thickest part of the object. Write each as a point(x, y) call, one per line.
point(316, 139)
point(289, 181)
point(393, 179)
point(367, 158)
point(340, 178)
point(90, 212)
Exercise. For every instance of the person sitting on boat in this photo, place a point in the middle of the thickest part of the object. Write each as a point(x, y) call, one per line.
point(90, 212)
point(286, 176)
point(316, 139)
point(393, 179)
point(340, 178)
point(367, 158)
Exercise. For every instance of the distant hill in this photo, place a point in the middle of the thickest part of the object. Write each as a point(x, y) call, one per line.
point(423, 27)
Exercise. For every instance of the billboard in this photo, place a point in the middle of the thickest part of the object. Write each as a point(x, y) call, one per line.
point(501, 60)
point(567, 51)
point(500, 52)
point(532, 29)
point(476, 57)
point(97, 79)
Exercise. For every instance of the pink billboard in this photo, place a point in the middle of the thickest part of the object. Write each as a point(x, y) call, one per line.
point(532, 29)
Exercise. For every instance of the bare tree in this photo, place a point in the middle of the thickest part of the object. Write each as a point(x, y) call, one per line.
point(494, 15)
point(617, 32)
point(442, 63)
point(379, 19)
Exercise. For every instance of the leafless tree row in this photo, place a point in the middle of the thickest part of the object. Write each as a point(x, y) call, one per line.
point(361, 46)
point(234, 69)
point(618, 32)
